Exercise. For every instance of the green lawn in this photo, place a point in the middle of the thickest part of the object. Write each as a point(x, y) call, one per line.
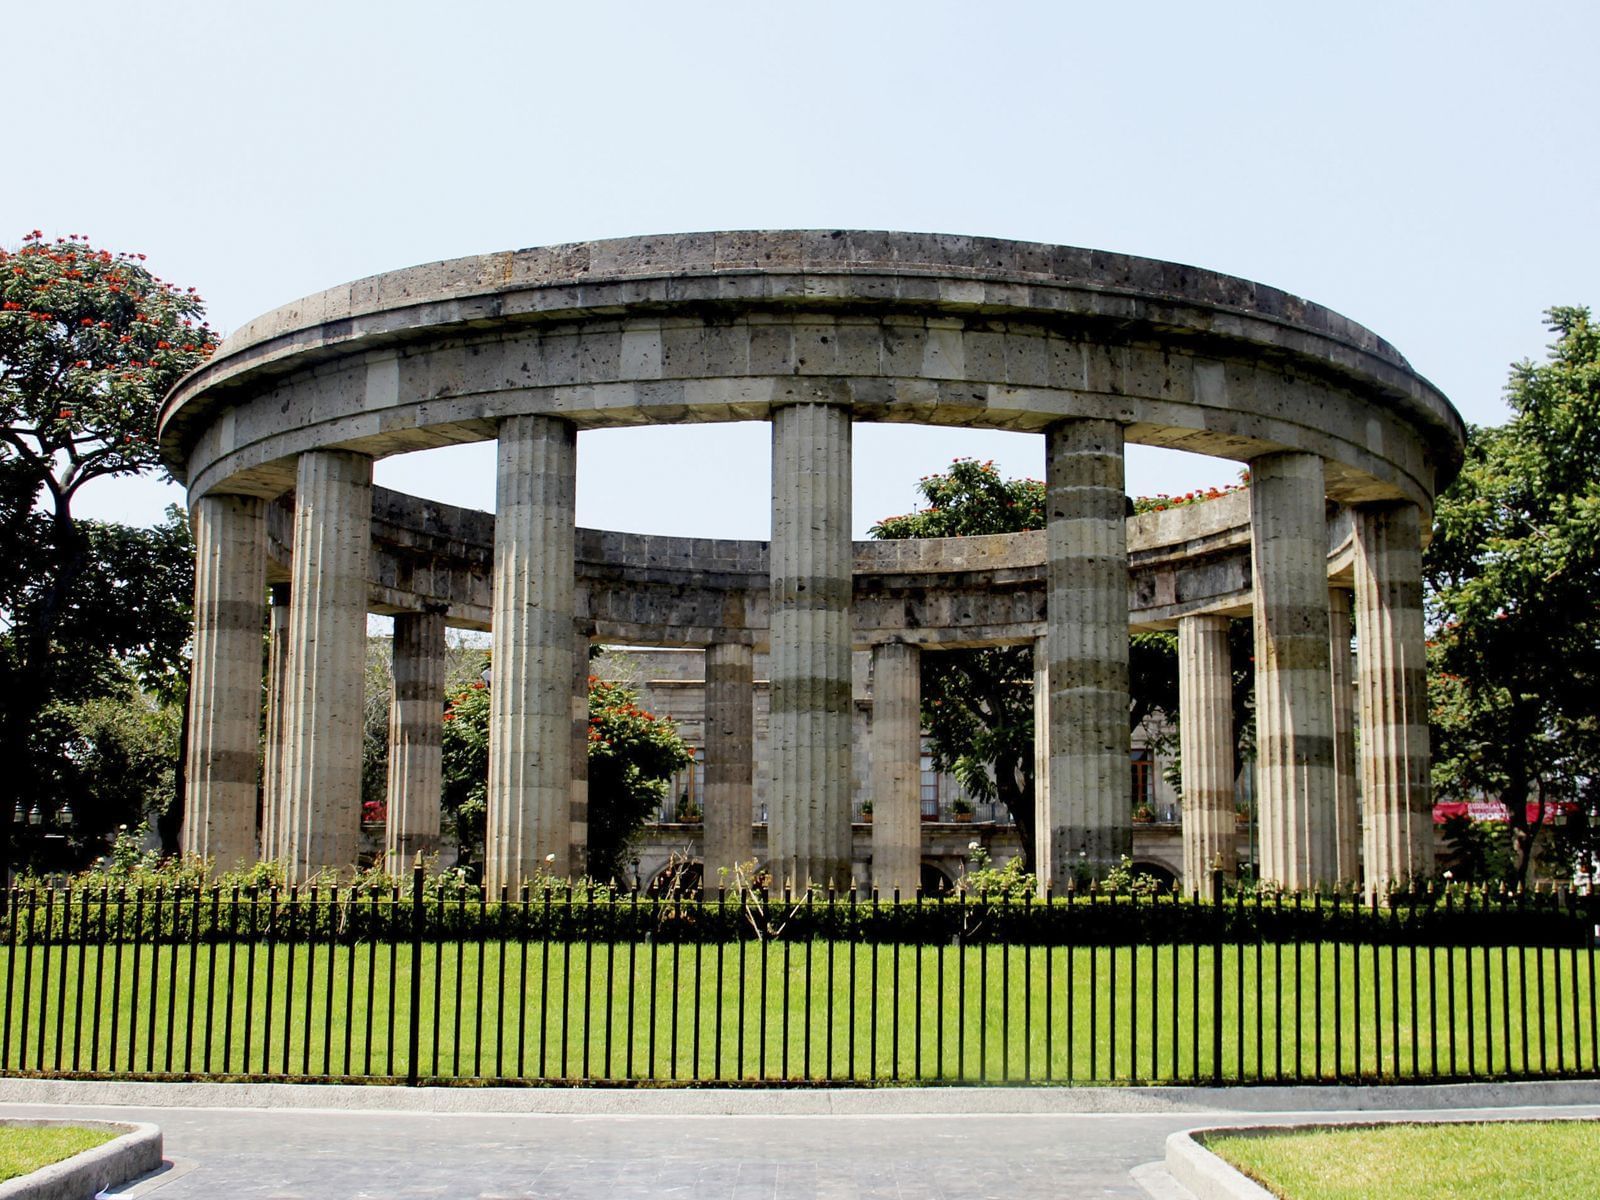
point(1532, 1160)
point(26, 1148)
point(798, 1011)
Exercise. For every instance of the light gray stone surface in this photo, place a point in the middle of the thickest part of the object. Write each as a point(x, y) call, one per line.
point(730, 326)
point(1087, 818)
point(280, 1142)
point(1294, 699)
point(528, 828)
point(1346, 801)
point(1392, 686)
point(225, 682)
point(1205, 731)
point(416, 739)
point(323, 692)
point(810, 647)
point(896, 769)
point(730, 760)
point(135, 1150)
point(273, 799)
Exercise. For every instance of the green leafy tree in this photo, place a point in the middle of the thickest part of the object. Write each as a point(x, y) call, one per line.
point(977, 705)
point(632, 755)
point(89, 343)
point(1512, 576)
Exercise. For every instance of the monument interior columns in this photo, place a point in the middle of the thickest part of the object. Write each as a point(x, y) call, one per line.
point(225, 690)
point(1206, 739)
point(272, 769)
point(1088, 810)
point(416, 738)
point(896, 769)
point(810, 647)
point(730, 744)
point(1346, 805)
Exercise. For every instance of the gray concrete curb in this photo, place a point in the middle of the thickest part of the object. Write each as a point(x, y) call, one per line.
point(135, 1152)
point(723, 1101)
point(1210, 1177)
point(1206, 1175)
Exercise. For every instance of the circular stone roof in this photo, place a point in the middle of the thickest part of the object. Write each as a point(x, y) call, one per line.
point(1146, 311)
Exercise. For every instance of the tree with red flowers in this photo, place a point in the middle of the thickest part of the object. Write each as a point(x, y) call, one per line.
point(90, 341)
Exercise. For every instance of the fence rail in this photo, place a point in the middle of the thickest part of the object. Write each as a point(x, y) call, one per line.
point(560, 986)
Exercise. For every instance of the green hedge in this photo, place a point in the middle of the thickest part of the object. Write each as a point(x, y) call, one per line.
point(201, 915)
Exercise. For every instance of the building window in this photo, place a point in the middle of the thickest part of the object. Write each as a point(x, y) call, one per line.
point(930, 786)
point(686, 790)
point(1143, 780)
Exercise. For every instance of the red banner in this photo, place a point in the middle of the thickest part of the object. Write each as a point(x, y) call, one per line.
point(1494, 810)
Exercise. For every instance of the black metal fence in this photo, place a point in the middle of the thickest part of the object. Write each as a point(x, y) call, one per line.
point(583, 986)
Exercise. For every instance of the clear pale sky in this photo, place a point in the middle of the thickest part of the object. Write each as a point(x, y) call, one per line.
point(1428, 170)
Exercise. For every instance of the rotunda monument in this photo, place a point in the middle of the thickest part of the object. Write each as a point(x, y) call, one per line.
point(811, 331)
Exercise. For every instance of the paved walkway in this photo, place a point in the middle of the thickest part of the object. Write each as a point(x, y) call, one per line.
point(281, 1142)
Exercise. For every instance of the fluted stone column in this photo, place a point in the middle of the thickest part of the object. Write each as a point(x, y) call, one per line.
point(1205, 735)
point(230, 585)
point(416, 738)
point(809, 804)
point(578, 810)
point(1090, 817)
point(531, 696)
point(730, 743)
point(1294, 691)
point(1391, 684)
point(896, 769)
point(1346, 808)
point(327, 662)
point(272, 771)
point(1045, 869)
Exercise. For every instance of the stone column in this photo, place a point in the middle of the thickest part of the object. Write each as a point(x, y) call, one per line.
point(578, 809)
point(1205, 735)
point(1090, 816)
point(272, 772)
point(327, 662)
point(416, 739)
point(1391, 683)
point(1294, 691)
point(730, 739)
point(896, 769)
point(530, 706)
point(230, 582)
point(1046, 870)
point(1346, 809)
point(809, 801)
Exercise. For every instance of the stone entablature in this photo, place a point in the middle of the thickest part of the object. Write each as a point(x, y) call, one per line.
point(812, 331)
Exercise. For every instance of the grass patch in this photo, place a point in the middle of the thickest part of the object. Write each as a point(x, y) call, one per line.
point(25, 1148)
point(799, 1011)
point(1531, 1160)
